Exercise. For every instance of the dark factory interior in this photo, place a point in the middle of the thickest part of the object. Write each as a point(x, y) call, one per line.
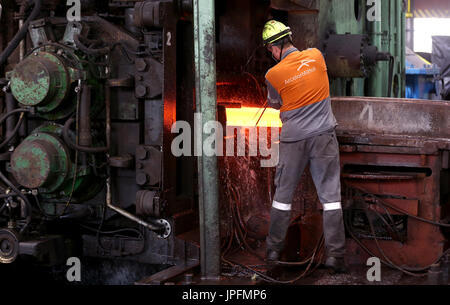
point(99, 163)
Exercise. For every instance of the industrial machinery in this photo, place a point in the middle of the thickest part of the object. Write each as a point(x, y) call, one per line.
point(88, 107)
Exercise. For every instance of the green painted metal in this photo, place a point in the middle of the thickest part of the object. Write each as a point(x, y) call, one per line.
point(40, 80)
point(205, 82)
point(41, 161)
point(341, 17)
point(388, 35)
point(86, 184)
point(45, 80)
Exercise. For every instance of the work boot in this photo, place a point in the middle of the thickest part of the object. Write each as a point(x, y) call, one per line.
point(337, 264)
point(272, 256)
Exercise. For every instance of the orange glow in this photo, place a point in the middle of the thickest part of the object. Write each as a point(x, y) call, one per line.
point(248, 116)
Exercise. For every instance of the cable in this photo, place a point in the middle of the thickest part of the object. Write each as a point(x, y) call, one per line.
point(6, 115)
point(389, 264)
point(381, 250)
point(12, 45)
point(24, 198)
point(406, 270)
point(389, 226)
point(83, 48)
point(272, 280)
point(382, 202)
point(236, 233)
point(14, 132)
point(140, 234)
point(74, 178)
point(77, 147)
point(240, 221)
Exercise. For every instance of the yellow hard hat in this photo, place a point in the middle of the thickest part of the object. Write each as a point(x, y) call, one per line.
point(273, 31)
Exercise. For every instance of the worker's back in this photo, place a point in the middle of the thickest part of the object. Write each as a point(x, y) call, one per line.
point(300, 82)
point(300, 78)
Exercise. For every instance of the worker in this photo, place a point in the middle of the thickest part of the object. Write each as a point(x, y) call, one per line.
point(298, 86)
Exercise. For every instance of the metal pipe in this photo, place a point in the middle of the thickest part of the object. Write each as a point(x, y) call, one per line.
point(13, 133)
point(156, 228)
point(108, 114)
point(72, 145)
point(134, 218)
point(205, 84)
point(22, 43)
point(69, 122)
point(125, 213)
point(12, 45)
point(12, 120)
point(85, 138)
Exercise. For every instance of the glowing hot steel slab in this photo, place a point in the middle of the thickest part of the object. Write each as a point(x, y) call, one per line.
point(248, 116)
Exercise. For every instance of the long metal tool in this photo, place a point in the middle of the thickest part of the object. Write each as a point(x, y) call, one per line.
point(206, 104)
point(265, 107)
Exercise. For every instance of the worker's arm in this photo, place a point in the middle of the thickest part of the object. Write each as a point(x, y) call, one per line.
point(273, 98)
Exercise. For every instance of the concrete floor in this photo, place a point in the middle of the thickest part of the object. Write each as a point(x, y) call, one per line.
point(357, 275)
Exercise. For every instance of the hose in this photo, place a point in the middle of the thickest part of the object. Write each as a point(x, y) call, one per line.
point(12, 45)
point(85, 49)
point(6, 115)
point(267, 278)
point(13, 133)
point(101, 149)
point(78, 147)
point(404, 269)
point(237, 231)
point(10, 104)
point(384, 204)
point(24, 198)
point(16, 128)
point(390, 263)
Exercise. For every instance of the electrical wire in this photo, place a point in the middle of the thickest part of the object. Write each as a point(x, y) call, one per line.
point(140, 234)
point(14, 132)
point(74, 146)
point(23, 197)
point(392, 229)
point(21, 33)
point(386, 261)
point(381, 250)
point(389, 264)
point(272, 280)
point(381, 202)
point(8, 114)
point(238, 233)
point(74, 178)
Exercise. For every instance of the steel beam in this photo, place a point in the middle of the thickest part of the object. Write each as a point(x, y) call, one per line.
point(392, 116)
point(205, 88)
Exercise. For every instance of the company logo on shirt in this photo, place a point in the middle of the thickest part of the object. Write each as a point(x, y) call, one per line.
point(305, 62)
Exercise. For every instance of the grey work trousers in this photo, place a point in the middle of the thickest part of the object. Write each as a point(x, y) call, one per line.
point(322, 154)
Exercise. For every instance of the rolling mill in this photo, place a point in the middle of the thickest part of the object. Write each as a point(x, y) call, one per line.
point(90, 110)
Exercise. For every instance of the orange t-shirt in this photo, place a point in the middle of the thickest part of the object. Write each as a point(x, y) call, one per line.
point(300, 78)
